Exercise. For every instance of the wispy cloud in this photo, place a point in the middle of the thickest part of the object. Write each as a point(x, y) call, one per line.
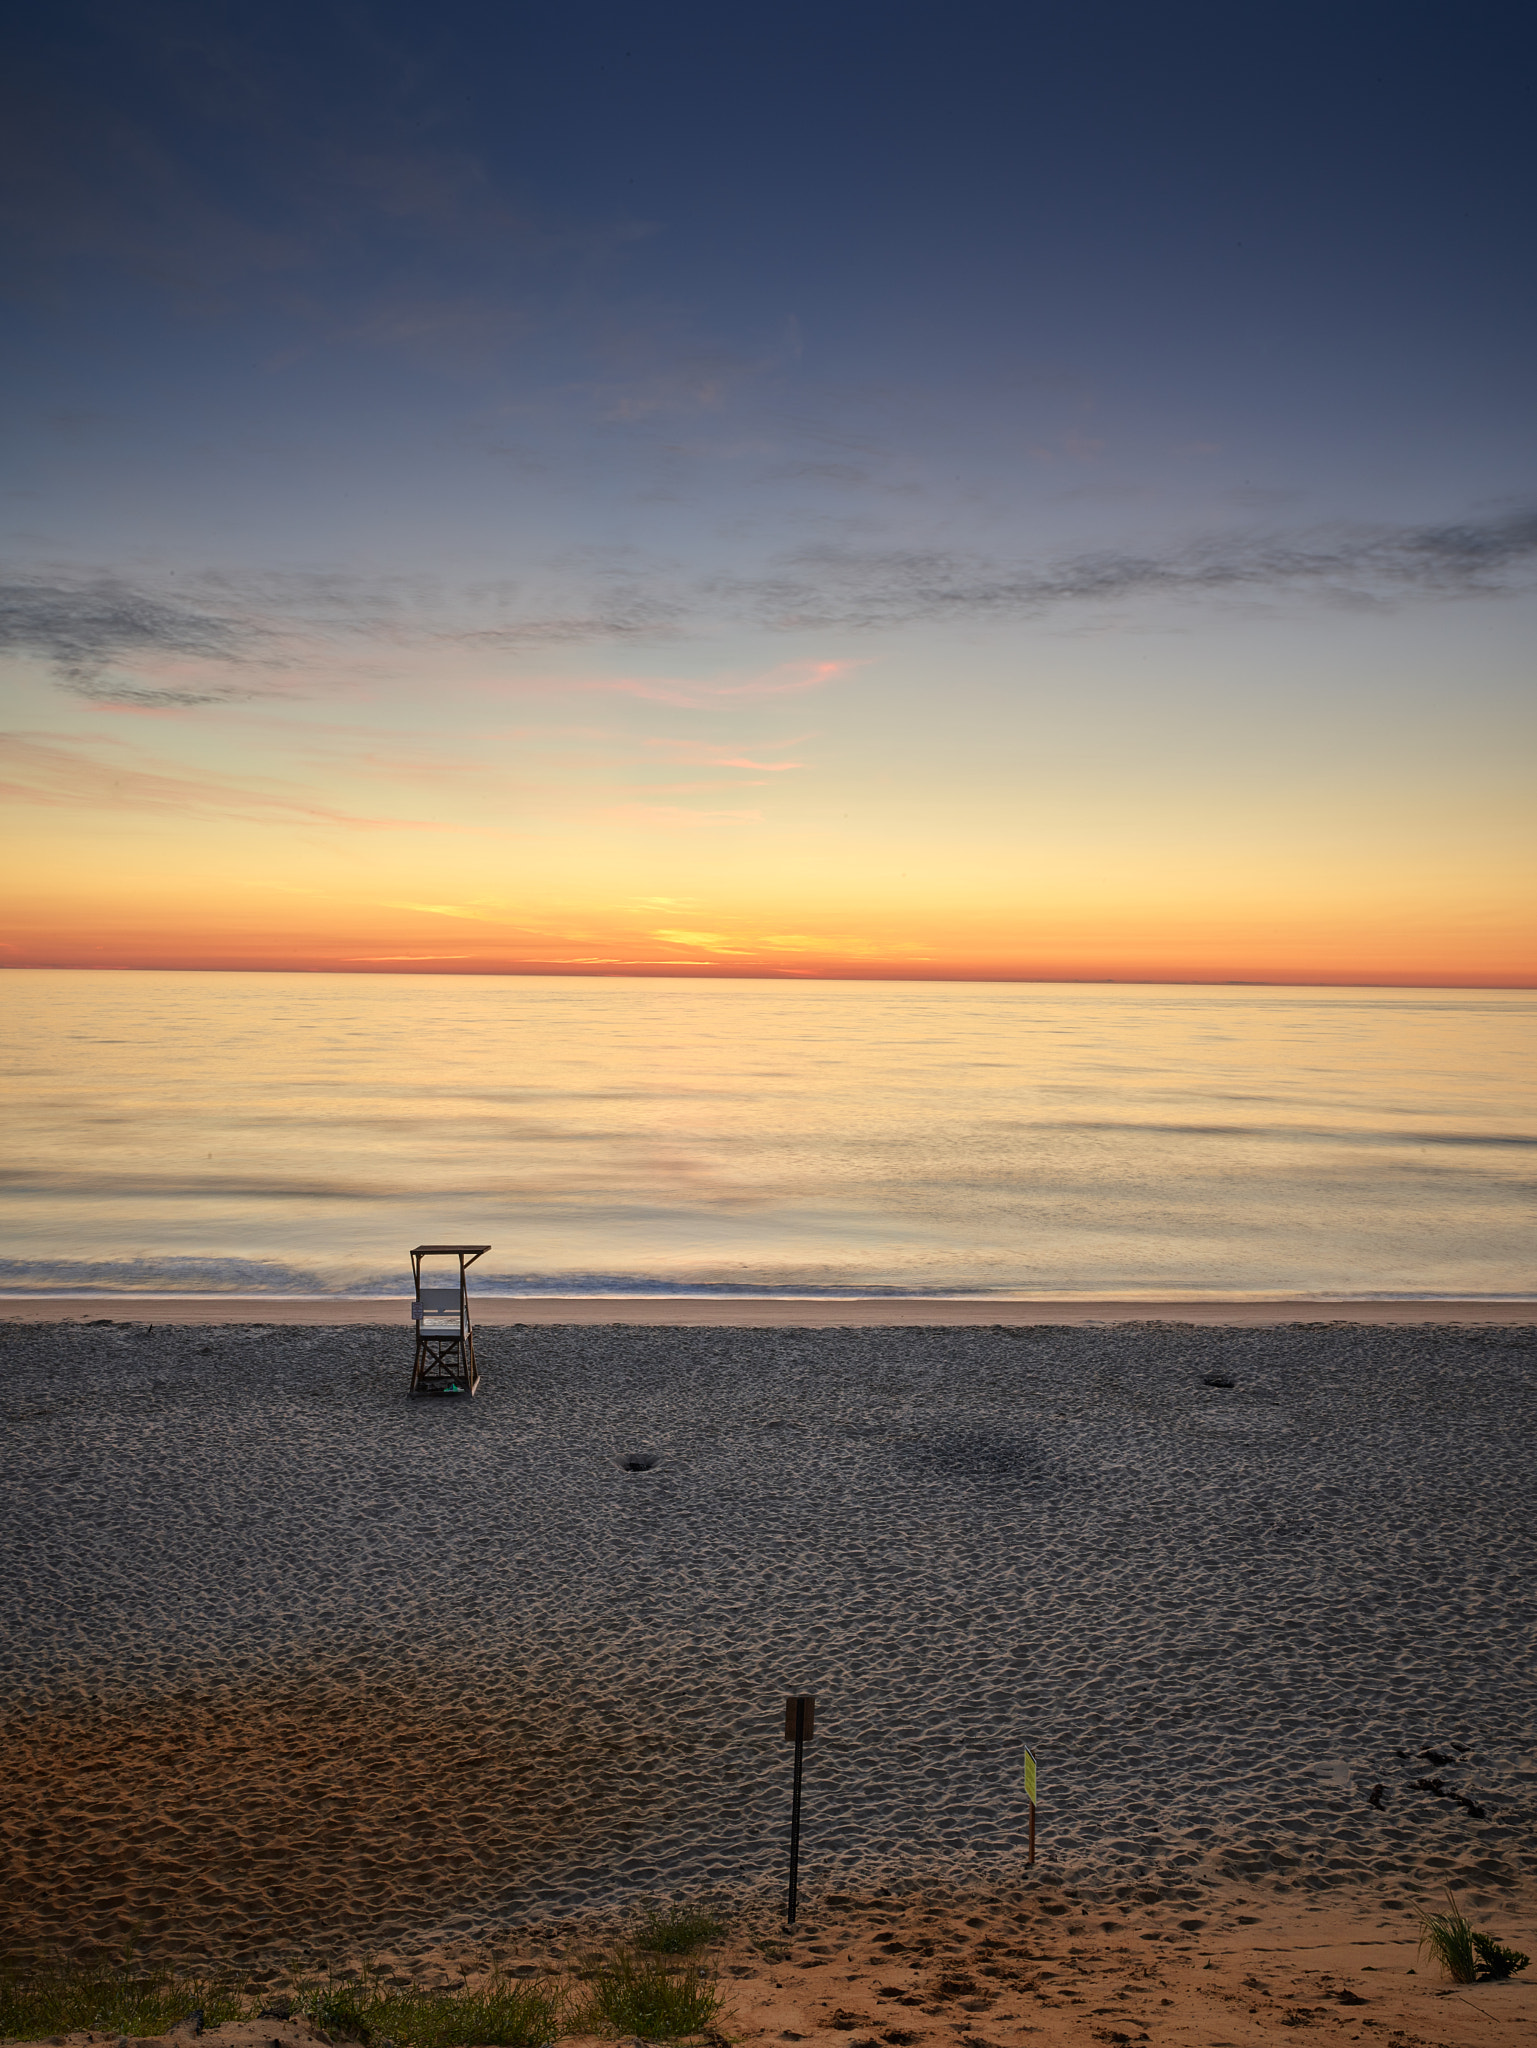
point(84, 629)
point(702, 942)
point(827, 587)
point(55, 772)
point(227, 638)
point(787, 679)
point(451, 910)
point(701, 754)
point(676, 816)
point(629, 614)
point(848, 588)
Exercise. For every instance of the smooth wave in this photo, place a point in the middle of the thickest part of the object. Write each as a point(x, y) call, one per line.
point(1329, 1134)
point(193, 1277)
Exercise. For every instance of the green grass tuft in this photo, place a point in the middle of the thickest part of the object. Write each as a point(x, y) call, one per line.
point(40, 1998)
point(646, 1996)
point(497, 2014)
point(1450, 1940)
point(1466, 1957)
point(335, 2008)
point(636, 1994)
point(675, 1930)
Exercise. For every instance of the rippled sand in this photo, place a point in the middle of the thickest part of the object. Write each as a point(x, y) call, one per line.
point(284, 1650)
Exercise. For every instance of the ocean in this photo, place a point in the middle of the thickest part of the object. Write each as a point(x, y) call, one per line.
point(295, 1133)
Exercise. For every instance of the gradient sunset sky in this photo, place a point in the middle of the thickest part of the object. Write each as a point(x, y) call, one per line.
point(944, 490)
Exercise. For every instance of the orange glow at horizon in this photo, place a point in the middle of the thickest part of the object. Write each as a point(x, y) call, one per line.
point(256, 930)
point(781, 825)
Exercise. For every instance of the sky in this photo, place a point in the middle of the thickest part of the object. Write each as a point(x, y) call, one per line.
point(968, 490)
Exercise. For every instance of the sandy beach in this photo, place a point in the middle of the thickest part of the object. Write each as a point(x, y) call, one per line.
point(983, 1969)
point(292, 1663)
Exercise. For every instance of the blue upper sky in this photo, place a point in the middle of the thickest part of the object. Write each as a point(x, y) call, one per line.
point(906, 273)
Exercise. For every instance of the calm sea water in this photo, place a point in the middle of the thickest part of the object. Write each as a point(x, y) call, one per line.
point(295, 1133)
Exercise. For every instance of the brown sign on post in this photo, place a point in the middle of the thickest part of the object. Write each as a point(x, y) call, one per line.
point(800, 1711)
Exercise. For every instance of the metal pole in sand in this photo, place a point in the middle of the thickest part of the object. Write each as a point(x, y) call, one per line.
point(1030, 1795)
point(800, 1711)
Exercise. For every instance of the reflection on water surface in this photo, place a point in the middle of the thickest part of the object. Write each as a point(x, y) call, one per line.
point(294, 1133)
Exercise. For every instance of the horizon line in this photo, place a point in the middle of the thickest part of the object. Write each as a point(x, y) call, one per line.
point(688, 972)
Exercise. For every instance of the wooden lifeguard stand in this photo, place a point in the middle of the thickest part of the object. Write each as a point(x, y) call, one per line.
point(445, 1341)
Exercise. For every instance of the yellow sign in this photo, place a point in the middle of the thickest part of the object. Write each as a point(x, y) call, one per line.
point(1030, 1776)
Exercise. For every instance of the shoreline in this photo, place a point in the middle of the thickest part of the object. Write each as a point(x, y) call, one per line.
point(766, 1312)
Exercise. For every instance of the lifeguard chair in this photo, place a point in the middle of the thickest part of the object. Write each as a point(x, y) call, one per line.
point(445, 1341)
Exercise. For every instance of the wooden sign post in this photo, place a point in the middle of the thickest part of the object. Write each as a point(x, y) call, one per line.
point(800, 1712)
point(1030, 1795)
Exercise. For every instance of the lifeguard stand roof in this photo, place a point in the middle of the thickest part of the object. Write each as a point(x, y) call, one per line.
point(421, 1251)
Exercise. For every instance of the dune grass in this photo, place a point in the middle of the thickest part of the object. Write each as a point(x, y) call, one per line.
point(497, 2014)
point(1450, 1940)
point(643, 1995)
point(676, 1929)
point(647, 1996)
point(39, 1997)
point(628, 1993)
point(1466, 1956)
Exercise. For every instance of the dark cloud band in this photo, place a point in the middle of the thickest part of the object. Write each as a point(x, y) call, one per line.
point(95, 632)
point(839, 587)
point(84, 629)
